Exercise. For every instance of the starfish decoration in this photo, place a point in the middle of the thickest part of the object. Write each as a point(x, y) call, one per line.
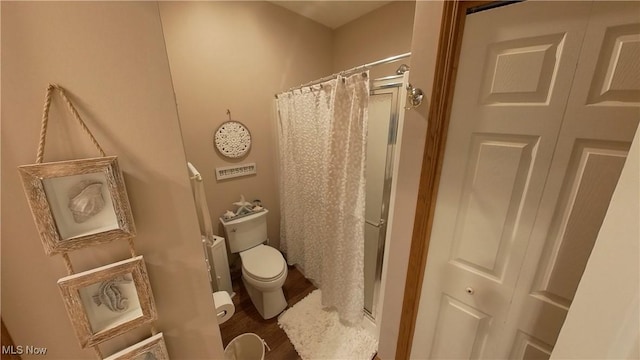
point(243, 206)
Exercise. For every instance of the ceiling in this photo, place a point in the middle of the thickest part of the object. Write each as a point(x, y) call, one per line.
point(331, 13)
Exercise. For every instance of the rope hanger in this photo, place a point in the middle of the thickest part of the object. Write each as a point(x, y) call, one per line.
point(45, 121)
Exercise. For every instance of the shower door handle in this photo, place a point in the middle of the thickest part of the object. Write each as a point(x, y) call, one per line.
point(378, 224)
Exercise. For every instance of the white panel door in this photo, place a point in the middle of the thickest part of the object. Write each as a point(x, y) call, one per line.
point(496, 194)
point(601, 119)
point(511, 91)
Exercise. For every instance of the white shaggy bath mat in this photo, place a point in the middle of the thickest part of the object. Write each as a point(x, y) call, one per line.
point(318, 334)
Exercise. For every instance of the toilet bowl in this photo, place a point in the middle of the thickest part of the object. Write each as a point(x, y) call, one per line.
point(264, 269)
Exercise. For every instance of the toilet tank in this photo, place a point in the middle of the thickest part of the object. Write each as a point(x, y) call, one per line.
point(246, 232)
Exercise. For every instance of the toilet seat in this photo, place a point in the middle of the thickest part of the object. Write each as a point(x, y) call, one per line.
point(263, 263)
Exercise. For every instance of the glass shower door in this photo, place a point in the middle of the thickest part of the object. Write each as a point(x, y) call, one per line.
point(381, 139)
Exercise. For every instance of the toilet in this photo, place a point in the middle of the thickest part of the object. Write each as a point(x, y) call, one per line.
point(264, 269)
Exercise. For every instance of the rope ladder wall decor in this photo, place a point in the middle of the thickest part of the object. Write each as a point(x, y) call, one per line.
point(81, 203)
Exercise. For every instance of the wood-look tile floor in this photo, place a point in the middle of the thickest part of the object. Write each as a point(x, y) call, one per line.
point(247, 318)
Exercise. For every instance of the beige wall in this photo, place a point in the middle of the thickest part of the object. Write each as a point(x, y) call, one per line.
point(423, 59)
point(111, 57)
point(382, 33)
point(236, 56)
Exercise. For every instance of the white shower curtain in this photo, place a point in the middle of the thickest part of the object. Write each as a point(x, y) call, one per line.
point(322, 134)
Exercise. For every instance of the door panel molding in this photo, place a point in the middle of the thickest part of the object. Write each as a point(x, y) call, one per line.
point(528, 347)
point(594, 169)
point(523, 70)
point(461, 331)
point(492, 201)
point(617, 82)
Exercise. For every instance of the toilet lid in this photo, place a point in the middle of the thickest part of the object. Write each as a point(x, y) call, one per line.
point(263, 262)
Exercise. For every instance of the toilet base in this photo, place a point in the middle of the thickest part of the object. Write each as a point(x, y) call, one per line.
point(268, 303)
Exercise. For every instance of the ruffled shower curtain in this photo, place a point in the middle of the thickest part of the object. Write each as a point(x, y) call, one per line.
point(322, 136)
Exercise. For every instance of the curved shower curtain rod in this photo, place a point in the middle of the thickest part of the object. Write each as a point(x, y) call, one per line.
point(351, 71)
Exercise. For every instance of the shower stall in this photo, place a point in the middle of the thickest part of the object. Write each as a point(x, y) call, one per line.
point(385, 108)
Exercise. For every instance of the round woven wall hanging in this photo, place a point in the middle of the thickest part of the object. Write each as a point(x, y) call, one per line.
point(232, 139)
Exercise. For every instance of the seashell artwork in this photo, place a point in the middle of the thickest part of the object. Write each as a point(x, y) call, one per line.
point(111, 295)
point(85, 200)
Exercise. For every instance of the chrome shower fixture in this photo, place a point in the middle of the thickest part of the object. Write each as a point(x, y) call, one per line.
point(414, 97)
point(402, 69)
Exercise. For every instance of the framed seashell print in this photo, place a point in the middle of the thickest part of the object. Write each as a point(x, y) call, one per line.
point(78, 203)
point(108, 301)
point(152, 348)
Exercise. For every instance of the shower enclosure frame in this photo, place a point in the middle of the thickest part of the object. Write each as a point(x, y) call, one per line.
point(392, 85)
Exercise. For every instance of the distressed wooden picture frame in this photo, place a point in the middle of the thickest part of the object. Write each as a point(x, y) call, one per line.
point(150, 348)
point(78, 203)
point(108, 301)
